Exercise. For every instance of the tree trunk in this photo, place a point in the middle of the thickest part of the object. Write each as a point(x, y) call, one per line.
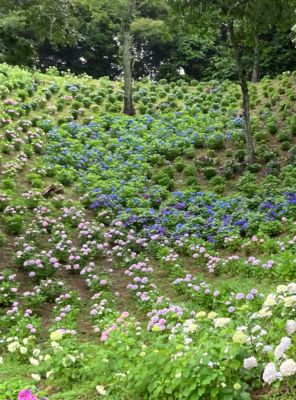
point(127, 73)
point(250, 152)
point(255, 75)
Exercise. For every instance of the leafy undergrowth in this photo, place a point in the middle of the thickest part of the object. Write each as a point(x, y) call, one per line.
point(150, 273)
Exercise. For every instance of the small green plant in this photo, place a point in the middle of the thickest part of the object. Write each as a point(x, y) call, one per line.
point(219, 189)
point(191, 181)
point(189, 152)
point(270, 228)
point(217, 180)
point(253, 168)
point(285, 146)
point(240, 155)
point(180, 164)
point(284, 136)
point(247, 184)
point(209, 172)
point(190, 170)
point(8, 184)
point(14, 223)
point(211, 153)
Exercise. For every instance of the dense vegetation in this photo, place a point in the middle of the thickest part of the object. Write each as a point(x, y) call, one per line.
point(159, 48)
point(165, 268)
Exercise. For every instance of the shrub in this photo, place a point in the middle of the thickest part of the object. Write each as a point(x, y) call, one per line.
point(191, 181)
point(240, 155)
point(142, 108)
point(14, 223)
point(284, 136)
point(215, 142)
point(180, 164)
point(179, 95)
point(285, 146)
point(228, 152)
point(76, 105)
point(219, 189)
point(247, 184)
point(199, 141)
point(260, 136)
point(170, 171)
point(253, 168)
point(8, 184)
point(217, 180)
point(111, 99)
point(190, 170)
point(270, 228)
point(164, 180)
point(292, 125)
point(209, 172)
point(99, 100)
point(271, 184)
point(210, 153)
point(189, 152)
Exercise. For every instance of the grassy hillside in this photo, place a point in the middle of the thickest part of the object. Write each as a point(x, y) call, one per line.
point(146, 274)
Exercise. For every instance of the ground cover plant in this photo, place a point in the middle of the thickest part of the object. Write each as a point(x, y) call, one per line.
point(162, 266)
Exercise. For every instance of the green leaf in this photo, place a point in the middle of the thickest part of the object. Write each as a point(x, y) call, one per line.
point(214, 392)
point(194, 396)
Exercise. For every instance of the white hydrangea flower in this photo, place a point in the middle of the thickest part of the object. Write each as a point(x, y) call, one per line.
point(36, 377)
point(256, 328)
point(220, 322)
point(265, 312)
point(1, 360)
point(48, 374)
point(23, 350)
point(282, 289)
point(25, 341)
point(267, 348)
point(289, 301)
point(279, 353)
point(36, 352)
point(292, 288)
point(241, 328)
point(13, 346)
point(101, 390)
point(270, 373)
point(290, 327)
point(72, 358)
point(255, 316)
point(288, 368)
point(285, 343)
point(192, 328)
point(269, 302)
point(250, 363)
point(34, 362)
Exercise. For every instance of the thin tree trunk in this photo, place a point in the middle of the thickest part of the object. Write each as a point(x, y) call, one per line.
point(250, 152)
point(127, 62)
point(255, 75)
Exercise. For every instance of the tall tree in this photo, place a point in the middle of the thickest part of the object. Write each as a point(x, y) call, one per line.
point(48, 19)
point(277, 14)
point(120, 13)
point(237, 15)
